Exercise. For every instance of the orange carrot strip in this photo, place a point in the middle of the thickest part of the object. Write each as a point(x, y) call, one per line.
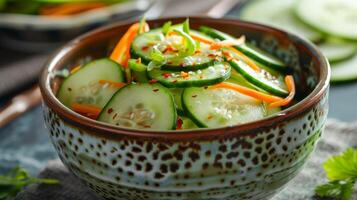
point(289, 81)
point(247, 91)
point(74, 70)
point(70, 9)
point(201, 39)
point(121, 52)
point(90, 111)
point(218, 45)
point(245, 59)
point(112, 83)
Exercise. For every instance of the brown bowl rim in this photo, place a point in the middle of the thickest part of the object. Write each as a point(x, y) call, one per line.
point(106, 130)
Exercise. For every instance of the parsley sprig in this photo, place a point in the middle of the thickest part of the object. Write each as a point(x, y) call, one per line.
point(18, 178)
point(341, 170)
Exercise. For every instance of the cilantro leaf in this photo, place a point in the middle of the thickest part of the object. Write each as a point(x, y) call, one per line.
point(343, 166)
point(341, 170)
point(341, 190)
point(18, 178)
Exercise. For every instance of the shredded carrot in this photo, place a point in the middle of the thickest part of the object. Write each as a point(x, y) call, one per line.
point(245, 59)
point(289, 81)
point(121, 52)
point(247, 91)
point(70, 9)
point(219, 45)
point(90, 111)
point(185, 75)
point(112, 83)
point(201, 39)
point(75, 69)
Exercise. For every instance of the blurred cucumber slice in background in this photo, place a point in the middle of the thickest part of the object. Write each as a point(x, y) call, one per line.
point(279, 14)
point(333, 17)
point(331, 24)
point(343, 72)
point(337, 50)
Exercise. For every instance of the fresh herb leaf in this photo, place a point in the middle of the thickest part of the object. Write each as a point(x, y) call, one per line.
point(18, 178)
point(189, 45)
point(166, 27)
point(343, 166)
point(157, 56)
point(341, 190)
point(341, 170)
point(186, 26)
point(141, 24)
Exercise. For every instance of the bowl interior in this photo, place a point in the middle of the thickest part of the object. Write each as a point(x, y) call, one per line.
point(305, 62)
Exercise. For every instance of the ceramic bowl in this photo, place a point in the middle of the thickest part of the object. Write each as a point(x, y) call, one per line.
point(33, 33)
point(249, 161)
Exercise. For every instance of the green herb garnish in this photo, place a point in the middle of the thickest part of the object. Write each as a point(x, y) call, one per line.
point(341, 170)
point(18, 178)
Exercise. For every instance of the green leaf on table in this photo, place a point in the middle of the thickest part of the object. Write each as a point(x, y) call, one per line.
point(341, 170)
point(15, 180)
point(341, 190)
point(343, 166)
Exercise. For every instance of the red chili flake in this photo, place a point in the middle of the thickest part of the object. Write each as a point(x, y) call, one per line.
point(110, 110)
point(168, 49)
point(197, 51)
point(152, 81)
point(179, 124)
point(115, 115)
point(174, 81)
point(166, 75)
point(194, 96)
point(169, 63)
point(155, 90)
point(211, 55)
point(145, 48)
point(228, 56)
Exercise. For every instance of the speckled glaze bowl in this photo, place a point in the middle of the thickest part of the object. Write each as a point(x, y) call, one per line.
point(250, 161)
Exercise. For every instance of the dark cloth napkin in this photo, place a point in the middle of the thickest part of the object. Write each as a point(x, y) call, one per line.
point(19, 70)
point(337, 137)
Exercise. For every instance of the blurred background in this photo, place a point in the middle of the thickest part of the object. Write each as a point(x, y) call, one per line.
point(31, 30)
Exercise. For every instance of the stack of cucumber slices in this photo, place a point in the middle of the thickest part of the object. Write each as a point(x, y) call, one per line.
point(330, 24)
point(176, 78)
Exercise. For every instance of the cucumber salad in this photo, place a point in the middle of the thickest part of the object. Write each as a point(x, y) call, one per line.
point(174, 78)
point(330, 24)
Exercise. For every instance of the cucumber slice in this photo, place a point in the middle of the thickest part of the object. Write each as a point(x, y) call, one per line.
point(270, 111)
point(83, 86)
point(187, 123)
point(176, 93)
point(337, 51)
point(344, 71)
point(220, 107)
point(138, 71)
point(263, 79)
point(143, 106)
point(209, 76)
point(251, 51)
point(237, 78)
point(279, 14)
point(333, 17)
point(143, 45)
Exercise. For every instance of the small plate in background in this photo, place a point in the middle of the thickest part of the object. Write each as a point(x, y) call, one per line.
point(32, 33)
